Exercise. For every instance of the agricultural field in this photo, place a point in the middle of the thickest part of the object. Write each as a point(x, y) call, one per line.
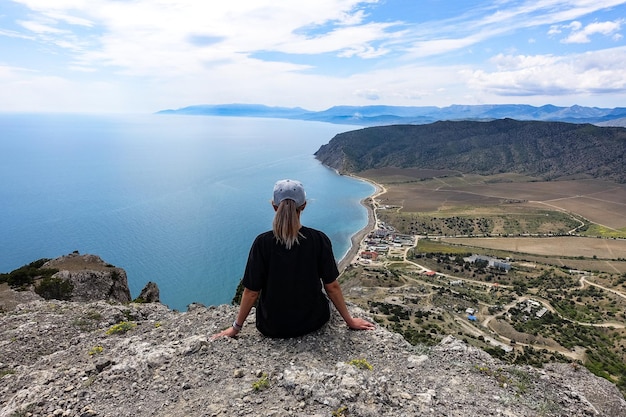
point(584, 253)
point(552, 246)
point(514, 204)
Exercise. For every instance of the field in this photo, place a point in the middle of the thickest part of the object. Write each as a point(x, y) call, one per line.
point(577, 223)
point(419, 191)
point(554, 246)
point(607, 255)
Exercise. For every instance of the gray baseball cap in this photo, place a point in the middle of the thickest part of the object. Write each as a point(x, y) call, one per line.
point(289, 189)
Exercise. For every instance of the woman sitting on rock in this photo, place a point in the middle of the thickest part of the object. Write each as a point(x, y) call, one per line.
point(285, 271)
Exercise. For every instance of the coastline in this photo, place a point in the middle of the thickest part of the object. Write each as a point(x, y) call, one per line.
point(357, 238)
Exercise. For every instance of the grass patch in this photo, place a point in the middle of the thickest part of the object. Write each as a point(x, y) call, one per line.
point(602, 231)
point(361, 364)
point(121, 328)
point(432, 246)
point(340, 412)
point(262, 383)
point(95, 350)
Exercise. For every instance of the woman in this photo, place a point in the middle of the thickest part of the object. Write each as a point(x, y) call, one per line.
point(285, 271)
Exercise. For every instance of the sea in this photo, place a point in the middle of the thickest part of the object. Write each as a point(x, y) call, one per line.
point(176, 200)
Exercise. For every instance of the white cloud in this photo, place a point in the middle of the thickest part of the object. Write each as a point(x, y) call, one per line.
point(14, 34)
point(575, 26)
point(547, 75)
point(145, 37)
point(40, 28)
point(464, 31)
point(71, 20)
point(441, 46)
point(368, 94)
point(583, 34)
point(344, 41)
point(555, 30)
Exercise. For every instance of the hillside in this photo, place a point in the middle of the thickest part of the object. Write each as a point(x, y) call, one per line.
point(546, 150)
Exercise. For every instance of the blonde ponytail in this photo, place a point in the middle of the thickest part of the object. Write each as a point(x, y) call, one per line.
point(286, 225)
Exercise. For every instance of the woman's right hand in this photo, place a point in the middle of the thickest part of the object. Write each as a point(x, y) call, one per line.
point(360, 324)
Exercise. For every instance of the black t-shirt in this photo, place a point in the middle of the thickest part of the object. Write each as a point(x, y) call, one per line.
point(291, 302)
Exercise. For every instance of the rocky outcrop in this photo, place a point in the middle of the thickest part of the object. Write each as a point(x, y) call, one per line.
point(149, 294)
point(91, 277)
point(60, 358)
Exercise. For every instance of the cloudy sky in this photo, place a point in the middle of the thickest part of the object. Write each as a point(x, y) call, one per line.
point(137, 56)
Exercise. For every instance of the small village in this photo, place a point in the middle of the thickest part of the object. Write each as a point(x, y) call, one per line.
point(478, 309)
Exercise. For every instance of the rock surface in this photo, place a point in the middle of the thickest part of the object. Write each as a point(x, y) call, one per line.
point(150, 293)
point(60, 358)
point(93, 278)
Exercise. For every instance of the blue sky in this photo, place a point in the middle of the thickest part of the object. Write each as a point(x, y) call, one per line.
point(137, 56)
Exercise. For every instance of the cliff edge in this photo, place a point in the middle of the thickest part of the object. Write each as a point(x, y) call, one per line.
point(101, 355)
point(62, 358)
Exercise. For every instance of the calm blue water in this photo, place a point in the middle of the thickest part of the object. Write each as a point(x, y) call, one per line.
point(172, 199)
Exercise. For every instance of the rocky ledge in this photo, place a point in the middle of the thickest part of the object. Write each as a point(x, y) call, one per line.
point(63, 358)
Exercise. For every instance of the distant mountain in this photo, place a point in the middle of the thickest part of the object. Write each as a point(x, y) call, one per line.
point(548, 150)
point(388, 115)
point(241, 110)
point(613, 122)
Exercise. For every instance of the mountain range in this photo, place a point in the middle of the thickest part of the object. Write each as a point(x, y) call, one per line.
point(388, 115)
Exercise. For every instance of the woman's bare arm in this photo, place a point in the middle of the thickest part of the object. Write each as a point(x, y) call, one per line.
point(336, 296)
point(248, 298)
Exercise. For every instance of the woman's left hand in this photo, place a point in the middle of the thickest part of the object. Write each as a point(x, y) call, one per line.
point(360, 324)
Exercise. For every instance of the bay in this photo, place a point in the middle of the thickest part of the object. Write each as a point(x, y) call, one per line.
point(176, 200)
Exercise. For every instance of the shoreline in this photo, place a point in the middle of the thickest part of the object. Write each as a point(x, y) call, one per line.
point(357, 238)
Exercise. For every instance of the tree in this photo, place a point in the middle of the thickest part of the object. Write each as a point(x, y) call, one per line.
point(53, 288)
point(27, 274)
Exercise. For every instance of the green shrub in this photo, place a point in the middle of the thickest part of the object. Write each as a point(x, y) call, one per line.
point(26, 274)
point(52, 288)
point(238, 293)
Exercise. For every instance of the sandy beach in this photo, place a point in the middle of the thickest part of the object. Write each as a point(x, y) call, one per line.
point(358, 237)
